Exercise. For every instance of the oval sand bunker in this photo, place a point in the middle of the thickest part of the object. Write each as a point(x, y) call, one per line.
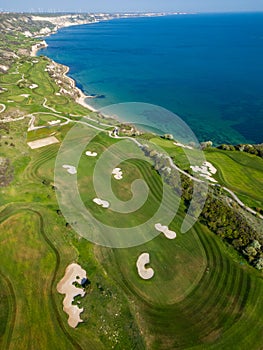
point(65, 286)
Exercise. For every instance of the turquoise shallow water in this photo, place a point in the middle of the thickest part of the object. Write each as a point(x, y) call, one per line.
point(205, 68)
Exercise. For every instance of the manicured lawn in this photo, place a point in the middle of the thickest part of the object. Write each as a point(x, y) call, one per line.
point(203, 295)
point(241, 172)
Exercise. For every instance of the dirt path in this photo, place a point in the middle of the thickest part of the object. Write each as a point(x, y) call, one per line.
point(50, 108)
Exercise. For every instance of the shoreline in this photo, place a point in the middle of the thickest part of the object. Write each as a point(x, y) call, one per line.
point(82, 96)
point(81, 99)
point(38, 46)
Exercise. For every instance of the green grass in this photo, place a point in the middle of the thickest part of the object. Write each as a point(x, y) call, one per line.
point(213, 315)
point(35, 74)
point(43, 119)
point(202, 296)
point(241, 172)
point(28, 264)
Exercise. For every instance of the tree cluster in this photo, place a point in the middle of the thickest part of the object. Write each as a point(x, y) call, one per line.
point(252, 149)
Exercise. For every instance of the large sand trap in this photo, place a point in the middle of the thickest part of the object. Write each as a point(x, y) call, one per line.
point(65, 286)
point(206, 170)
point(91, 154)
point(101, 202)
point(70, 169)
point(43, 142)
point(117, 173)
point(211, 168)
point(145, 273)
point(165, 230)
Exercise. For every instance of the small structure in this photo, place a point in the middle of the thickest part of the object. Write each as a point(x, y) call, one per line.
point(115, 131)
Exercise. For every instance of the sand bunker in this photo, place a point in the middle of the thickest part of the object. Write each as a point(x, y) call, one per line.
point(43, 142)
point(33, 86)
point(101, 202)
point(206, 170)
point(182, 145)
point(145, 273)
point(65, 286)
point(3, 107)
point(91, 154)
point(70, 169)
point(211, 168)
point(54, 122)
point(165, 230)
point(117, 173)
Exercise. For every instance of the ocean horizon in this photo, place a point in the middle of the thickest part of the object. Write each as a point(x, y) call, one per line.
point(205, 68)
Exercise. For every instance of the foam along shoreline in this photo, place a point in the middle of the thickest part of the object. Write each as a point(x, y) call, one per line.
point(66, 286)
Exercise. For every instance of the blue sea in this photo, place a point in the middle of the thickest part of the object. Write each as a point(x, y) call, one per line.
point(206, 68)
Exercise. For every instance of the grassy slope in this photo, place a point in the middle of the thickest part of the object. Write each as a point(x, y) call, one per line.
point(200, 297)
point(214, 315)
point(241, 172)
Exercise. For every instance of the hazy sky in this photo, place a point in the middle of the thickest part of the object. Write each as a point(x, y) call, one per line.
point(132, 5)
